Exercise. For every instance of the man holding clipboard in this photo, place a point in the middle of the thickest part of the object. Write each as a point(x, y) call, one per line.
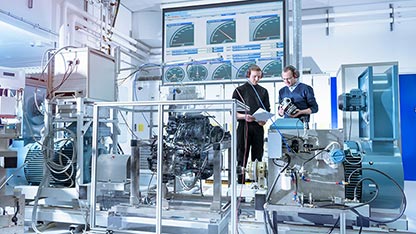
point(250, 132)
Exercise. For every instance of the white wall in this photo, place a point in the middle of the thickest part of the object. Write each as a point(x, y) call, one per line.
point(147, 27)
point(364, 42)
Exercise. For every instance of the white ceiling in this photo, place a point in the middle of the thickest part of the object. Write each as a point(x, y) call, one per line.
point(19, 46)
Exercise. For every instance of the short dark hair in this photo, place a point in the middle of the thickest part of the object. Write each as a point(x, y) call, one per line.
point(253, 67)
point(293, 69)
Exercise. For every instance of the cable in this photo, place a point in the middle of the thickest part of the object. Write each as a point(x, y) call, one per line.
point(11, 176)
point(335, 224)
point(65, 77)
point(295, 178)
point(138, 70)
point(263, 106)
point(404, 200)
point(35, 205)
point(361, 224)
point(49, 158)
point(36, 101)
point(374, 196)
point(269, 193)
point(245, 155)
point(349, 132)
point(128, 126)
point(310, 159)
point(362, 217)
point(360, 156)
point(136, 75)
point(268, 223)
point(51, 166)
point(25, 118)
point(50, 59)
point(14, 218)
point(245, 140)
point(274, 162)
point(273, 122)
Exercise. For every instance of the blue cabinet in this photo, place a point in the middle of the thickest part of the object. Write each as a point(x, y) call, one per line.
point(407, 86)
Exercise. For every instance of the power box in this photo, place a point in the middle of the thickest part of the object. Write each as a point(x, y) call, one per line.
point(84, 72)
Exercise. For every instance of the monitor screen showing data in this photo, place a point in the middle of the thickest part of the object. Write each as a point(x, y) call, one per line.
point(217, 43)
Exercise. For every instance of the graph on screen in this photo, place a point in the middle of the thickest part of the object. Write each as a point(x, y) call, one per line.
point(218, 42)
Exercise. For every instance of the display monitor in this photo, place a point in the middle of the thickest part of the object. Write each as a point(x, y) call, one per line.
point(218, 42)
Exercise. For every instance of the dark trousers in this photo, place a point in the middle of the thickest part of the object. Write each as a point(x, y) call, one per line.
point(250, 137)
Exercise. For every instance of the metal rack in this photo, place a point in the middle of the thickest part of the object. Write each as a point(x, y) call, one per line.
point(167, 214)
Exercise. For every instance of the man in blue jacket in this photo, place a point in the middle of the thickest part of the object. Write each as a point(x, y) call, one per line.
point(300, 94)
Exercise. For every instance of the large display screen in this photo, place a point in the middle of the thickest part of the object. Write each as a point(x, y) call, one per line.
point(218, 42)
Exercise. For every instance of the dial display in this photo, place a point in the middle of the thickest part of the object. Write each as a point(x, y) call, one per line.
point(264, 28)
point(182, 35)
point(223, 32)
point(272, 69)
point(197, 72)
point(174, 74)
point(222, 72)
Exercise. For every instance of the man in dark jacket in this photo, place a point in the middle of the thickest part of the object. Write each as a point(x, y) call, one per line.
point(250, 133)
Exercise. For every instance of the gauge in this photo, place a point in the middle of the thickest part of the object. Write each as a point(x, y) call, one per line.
point(272, 69)
point(222, 72)
point(183, 36)
point(242, 71)
point(224, 33)
point(197, 72)
point(174, 74)
point(267, 30)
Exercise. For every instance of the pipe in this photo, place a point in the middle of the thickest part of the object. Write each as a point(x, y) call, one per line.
point(77, 20)
point(156, 51)
point(297, 35)
point(133, 55)
point(87, 24)
point(68, 6)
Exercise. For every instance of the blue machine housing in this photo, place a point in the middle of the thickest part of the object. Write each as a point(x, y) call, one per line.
point(379, 132)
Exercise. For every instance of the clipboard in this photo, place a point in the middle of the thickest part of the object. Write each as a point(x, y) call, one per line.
point(262, 115)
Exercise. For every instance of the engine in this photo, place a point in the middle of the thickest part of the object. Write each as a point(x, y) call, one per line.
point(187, 148)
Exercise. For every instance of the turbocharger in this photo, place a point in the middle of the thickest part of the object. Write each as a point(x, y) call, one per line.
point(288, 107)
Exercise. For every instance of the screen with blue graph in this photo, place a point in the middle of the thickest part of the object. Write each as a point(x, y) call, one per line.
point(217, 43)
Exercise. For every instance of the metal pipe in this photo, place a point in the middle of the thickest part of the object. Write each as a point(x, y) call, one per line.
point(68, 6)
point(91, 29)
point(81, 172)
point(94, 168)
point(286, 57)
point(233, 171)
point(159, 171)
point(134, 173)
point(297, 35)
point(117, 59)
